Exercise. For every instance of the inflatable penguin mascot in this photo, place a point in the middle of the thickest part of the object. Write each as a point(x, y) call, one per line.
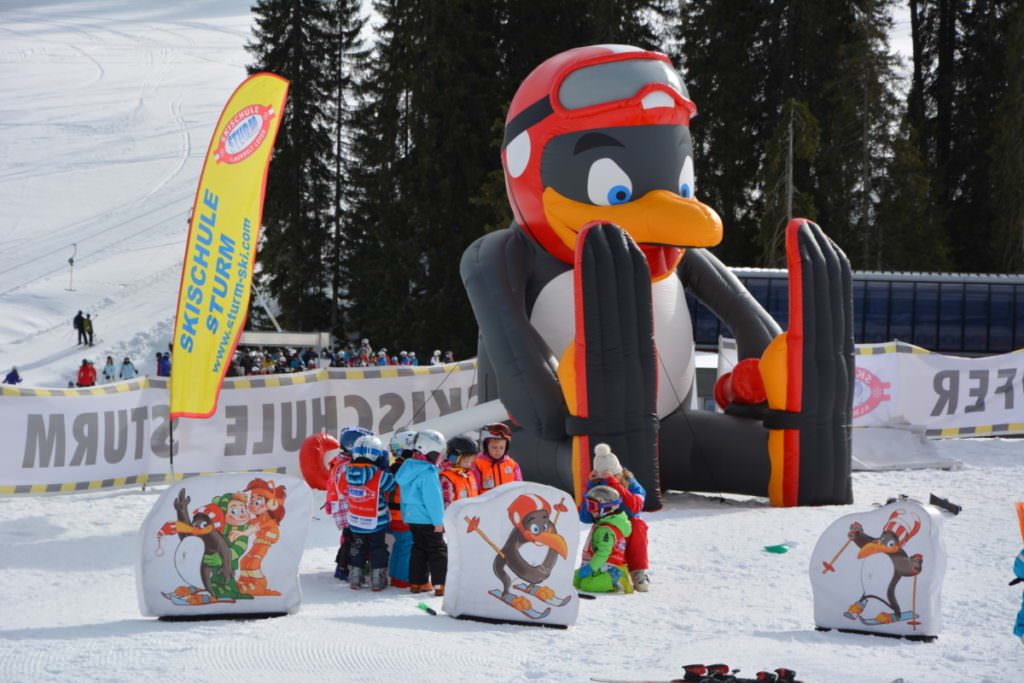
point(585, 334)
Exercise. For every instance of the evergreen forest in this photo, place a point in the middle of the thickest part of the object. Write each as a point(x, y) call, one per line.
point(387, 164)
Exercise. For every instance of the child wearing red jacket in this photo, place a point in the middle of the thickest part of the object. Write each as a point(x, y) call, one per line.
point(608, 471)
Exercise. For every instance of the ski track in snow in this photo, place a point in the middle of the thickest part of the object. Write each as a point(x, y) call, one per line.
point(146, 78)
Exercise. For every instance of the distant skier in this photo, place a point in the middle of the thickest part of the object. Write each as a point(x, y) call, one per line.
point(12, 377)
point(79, 325)
point(87, 327)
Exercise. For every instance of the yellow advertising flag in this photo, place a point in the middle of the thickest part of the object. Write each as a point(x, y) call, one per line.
point(216, 276)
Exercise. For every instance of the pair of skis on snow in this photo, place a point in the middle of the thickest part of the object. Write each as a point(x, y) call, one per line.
point(718, 673)
point(533, 590)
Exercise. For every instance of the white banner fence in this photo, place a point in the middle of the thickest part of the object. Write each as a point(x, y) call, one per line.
point(57, 440)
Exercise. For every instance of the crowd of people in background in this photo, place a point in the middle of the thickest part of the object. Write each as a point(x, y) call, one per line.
point(272, 361)
point(246, 361)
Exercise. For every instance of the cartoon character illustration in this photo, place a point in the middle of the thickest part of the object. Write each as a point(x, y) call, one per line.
point(532, 525)
point(885, 564)
point(585, 333)
point(266, 506)
point(236, 522)
point(216, 573)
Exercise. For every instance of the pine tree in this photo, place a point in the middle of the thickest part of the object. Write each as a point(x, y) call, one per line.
point(289, 39)
point(428, 179)
point(1007, 153)
point(346, 58)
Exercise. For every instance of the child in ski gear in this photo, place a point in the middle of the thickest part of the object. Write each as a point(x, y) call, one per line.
point(456, 481)
point(367, 482)
point(336, 502)
point(127, 370)
point(609, 472)
point(1018, 572)
point(494, 466)
point(109, 371)
point(86, 374)
point(401, 546)
point(604, 556)
point(423, 510)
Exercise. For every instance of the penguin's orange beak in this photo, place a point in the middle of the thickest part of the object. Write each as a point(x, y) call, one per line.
point(551, 540)
point(183, 528)
point(658, 219)
point(874, 547)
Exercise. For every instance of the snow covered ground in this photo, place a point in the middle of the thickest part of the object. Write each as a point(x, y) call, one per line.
point(69, 608)
point(106, 112)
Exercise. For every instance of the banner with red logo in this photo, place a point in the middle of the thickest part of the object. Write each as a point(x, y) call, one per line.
point(899, 384)
point(224, 229)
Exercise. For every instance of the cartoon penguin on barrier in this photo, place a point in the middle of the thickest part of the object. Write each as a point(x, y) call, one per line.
point(885, 564)
point(585, 335)
point(531, 523)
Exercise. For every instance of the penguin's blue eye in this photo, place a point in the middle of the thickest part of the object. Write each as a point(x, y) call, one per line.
point(534, 529)
point(686, 178)
point(607, 184)
point(619, 194)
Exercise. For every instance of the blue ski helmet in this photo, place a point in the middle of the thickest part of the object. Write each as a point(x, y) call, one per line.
point(348, 437)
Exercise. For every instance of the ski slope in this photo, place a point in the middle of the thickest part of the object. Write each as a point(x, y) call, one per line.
point(106, 115)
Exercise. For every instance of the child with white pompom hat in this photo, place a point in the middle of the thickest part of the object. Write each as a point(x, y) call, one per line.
point(608, 471)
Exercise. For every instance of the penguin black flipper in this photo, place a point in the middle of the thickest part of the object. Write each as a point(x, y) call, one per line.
point(495, 270)
point(723, 294)
point(611, 375)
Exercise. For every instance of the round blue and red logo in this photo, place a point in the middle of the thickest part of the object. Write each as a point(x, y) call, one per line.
point(243, 134)
point(868, 392)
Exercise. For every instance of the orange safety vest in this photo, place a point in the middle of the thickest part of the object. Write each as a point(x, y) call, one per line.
point(618, 556)
point(494, 474)
point(463, 483)
point(394, 498)
point(363, 503)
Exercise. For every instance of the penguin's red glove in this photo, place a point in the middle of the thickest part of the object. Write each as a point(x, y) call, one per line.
point(743, 385)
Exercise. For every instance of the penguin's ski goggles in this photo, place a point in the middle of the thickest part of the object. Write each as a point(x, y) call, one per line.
point(597, 84)
point(590, 89)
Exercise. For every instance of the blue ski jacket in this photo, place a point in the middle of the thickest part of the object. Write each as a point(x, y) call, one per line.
point(421, 502)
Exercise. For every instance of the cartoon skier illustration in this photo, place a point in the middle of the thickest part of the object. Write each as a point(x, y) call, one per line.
point(266, 506)
point(215, 571)
point(531, 525)
point(885, 564)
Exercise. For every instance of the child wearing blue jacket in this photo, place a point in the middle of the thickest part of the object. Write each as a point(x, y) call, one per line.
point(422, 507)
point(367, 481)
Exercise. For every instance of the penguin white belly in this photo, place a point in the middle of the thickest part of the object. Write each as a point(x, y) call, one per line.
point(552, 317)
point(875, 574)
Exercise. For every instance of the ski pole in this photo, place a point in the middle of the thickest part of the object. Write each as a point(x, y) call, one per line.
point(473, 524)
point(559, 509)
point(828, 565)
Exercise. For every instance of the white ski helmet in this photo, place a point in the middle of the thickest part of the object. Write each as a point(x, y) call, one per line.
point(369, 449)
point(402, 440)
point(431, 444)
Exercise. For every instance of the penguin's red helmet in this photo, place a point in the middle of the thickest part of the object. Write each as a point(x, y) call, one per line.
point(524, 505)
point(590, 88)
